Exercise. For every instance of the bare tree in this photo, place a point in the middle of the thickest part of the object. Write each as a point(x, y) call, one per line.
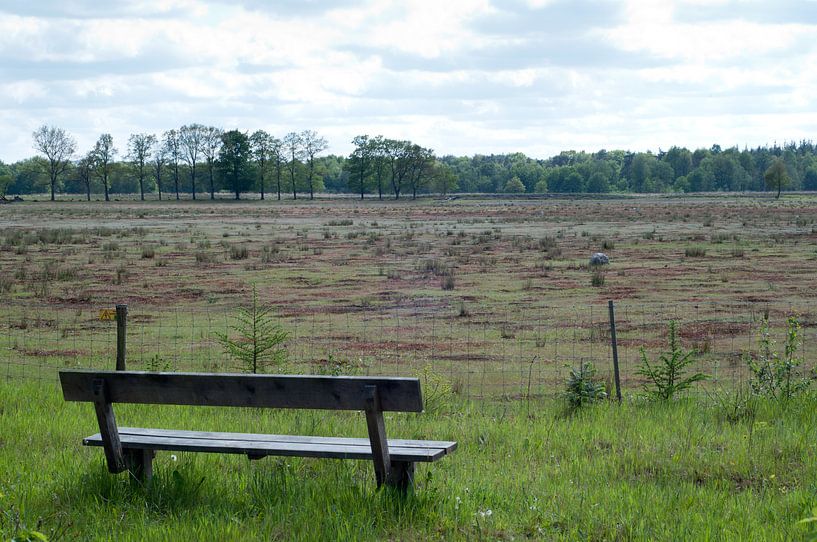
point(159, 163)
point(57, 146)
point(210, 145)
point(294, 149)
point(173, 151)
point(140, 147)
point(261, 144)
point(191, 139)
point(312, 145)
point(103, 155)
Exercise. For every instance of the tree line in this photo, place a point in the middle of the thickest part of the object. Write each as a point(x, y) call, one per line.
point(200, 161)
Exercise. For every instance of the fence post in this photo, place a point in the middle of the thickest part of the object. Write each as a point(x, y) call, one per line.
point(121, 323)
point(615, 348)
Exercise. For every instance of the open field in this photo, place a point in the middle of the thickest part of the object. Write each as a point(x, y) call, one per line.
point(488, 300)
point(642, 471)
point(494, 294)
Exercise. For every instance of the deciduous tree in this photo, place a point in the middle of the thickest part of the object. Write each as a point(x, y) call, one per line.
point(312, 145)
point(261, 143)
point(159, 163)
point(776, 176)
point(211, 143)
point(234, 161)
point(57, 146)
point(359, 164)
point(140, 147)
point(85, 169)
point(191, 140)
point(103, 157)
point(173, 151)
point(294, 149)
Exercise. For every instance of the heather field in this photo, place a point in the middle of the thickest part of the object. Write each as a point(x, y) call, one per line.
point(489, 301)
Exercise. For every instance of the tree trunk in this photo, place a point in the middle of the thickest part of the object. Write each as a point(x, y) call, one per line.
point(53, 184)
point(212, 185)
point(88, 189)
point(193, 179)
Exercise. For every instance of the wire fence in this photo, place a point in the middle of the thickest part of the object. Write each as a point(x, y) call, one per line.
point(511, 354)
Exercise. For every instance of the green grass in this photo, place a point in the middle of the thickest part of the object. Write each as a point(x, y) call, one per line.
point(646, 471)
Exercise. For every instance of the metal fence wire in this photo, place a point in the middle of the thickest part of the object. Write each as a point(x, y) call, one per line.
point(515, 354)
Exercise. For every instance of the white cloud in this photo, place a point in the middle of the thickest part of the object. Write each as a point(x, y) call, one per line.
point(461, 76)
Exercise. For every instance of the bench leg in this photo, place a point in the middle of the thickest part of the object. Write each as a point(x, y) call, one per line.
point(139, 463)
point(401, 475)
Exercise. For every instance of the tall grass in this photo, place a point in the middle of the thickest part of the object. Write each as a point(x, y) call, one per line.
point(671, 471)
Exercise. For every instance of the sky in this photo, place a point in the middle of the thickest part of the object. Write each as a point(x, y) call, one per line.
point(462, 77)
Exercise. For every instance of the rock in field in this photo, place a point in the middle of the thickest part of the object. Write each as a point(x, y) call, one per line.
point(599, 258)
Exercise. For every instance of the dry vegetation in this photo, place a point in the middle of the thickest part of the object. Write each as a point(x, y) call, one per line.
point(481, 281)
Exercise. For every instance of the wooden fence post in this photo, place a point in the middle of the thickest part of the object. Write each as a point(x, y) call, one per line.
point(121, 324)
point(615, 348)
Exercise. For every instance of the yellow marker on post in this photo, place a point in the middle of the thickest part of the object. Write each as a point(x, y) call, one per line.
point(107, 314)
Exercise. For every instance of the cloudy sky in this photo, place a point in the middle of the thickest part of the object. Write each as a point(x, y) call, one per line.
point(460, 76)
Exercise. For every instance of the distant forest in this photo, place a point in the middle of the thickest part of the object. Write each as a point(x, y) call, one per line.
point(203, 161)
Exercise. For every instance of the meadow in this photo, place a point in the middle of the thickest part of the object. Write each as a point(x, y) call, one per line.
point(489, 301)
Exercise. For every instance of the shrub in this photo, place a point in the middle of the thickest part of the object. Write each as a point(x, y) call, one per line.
point(597, 278)
point(269, 253)
point(514, 186)
point(437, 390)
point(238, 252)
point(582, 386)
point(695, 252)
point(204, 257)
point(447, 282)
point(666, 377)
point(148, 252)
point(772, 374)
point(6, 283)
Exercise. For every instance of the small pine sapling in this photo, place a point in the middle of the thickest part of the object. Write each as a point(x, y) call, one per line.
point(258, 339)
point(582, 387)
point(667, 376)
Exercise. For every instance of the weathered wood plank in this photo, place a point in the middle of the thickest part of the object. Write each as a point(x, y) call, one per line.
point(242, 390)
point(139, 462)
point(107, 427)
point(257, 449)
point(377, 436)
point(448, 446)
point(401, 475)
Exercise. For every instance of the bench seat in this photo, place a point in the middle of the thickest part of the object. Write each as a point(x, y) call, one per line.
point(133, 449)
point(256, 446)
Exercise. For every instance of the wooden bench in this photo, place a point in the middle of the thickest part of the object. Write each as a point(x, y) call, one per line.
point(133, 449)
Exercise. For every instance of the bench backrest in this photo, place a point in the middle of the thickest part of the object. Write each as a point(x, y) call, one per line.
point(243, 390)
